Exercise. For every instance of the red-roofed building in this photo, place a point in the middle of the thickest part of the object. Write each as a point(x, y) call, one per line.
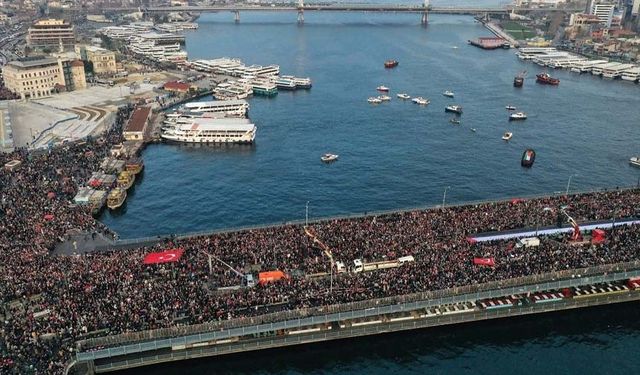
point(137, 125)
point(175, 86)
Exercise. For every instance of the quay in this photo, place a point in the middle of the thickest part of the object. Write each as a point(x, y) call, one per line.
point(557, 291)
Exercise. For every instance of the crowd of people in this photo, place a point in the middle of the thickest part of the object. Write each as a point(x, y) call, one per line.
point(48, 302)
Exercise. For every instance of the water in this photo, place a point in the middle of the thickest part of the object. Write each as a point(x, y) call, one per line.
point(393, 155)
point(398, 155)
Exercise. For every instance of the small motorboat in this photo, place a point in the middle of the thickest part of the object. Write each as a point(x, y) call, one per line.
point(390, 64)
point(453, 108)
point(448, 94)
point(635, 161)
point(510, 108)
point(507, 136)
point(454, 121)
point(403, 96)
point(384, 98)
point(528, 158)
point(382, 88)
point(517, 116)
point(328, 158)
point(421, 101)
point(373, 100)
point(473, 130)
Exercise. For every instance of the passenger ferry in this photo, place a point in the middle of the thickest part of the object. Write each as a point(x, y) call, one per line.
point(213, 131)
point(264, 88)
point(301, 83)
point(231, 108)
point(116, 198)
point(126, 180)
point(285, 84)
point(632, 74)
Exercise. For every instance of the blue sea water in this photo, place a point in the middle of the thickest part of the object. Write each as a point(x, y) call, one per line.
point(398, 155)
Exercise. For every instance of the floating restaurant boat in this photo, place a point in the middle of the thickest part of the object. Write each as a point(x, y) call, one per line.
point(421, 101)
point(374, 100)
point(403, 96)
point(204, 131)
point(126, 180)
point(384, 98)
point(116, 198)
point(546, 79)
point(134, 165)
point(635, 161)
point(507, 136)
point(510, 108)
point(328, 158)
point(517, 116)
point(454, 109)
point(390, 64)
point(528, 158)
point(448, 94)
point(382, 88)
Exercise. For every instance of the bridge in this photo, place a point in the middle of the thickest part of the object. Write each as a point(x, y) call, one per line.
point(423, 9)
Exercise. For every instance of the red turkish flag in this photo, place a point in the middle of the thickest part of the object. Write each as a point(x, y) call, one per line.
point(484, 261)
point(163, 257)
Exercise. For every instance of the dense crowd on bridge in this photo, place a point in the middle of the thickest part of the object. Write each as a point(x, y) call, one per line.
point(48, 302)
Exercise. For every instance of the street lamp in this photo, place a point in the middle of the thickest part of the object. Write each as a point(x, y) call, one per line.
point(569, 184)
point(306, 214)
point(444, 196)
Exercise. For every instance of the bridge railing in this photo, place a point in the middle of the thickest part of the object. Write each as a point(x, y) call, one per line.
point(150, 239)
point(166, 333)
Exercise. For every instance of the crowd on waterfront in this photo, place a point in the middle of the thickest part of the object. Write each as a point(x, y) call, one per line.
point(47, 301)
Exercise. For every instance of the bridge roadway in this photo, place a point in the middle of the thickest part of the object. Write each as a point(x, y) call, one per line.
point(340, 8)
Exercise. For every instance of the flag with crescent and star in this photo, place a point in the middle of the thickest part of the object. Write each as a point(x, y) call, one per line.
point(166, 256)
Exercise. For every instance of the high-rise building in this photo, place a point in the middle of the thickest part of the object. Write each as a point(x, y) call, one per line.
point(51, 33)
point(604, 12)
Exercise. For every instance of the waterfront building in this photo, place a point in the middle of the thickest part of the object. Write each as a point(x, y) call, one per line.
point(39, 76)
point(103, 60)
point(49, 33)
point(137, 125)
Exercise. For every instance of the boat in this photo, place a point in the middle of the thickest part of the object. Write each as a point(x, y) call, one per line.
point(546, 79)
point(518, 81)
point(390, 64)
point(232, 108)
point(473, 130)
point(507, 136)
point(517, 116)
point(528, 158)
point(382, 88)
point(264, 89)
point(285, 84)
point(635, 161)
point(328, 158)
point(421, 101)
point(403, 96)
point(374, 100)
point(454, 121)
point(453, 108)
point(116, 198)
point(301, 83)
point(448, 93)
point(211, 131)
point(126, 180)
point(510, 108)
point(384, 98)
point(134, 165)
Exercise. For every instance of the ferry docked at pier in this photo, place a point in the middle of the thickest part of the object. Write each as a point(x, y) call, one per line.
point(264, 88)
point(134, 165)
point(300, 82)
point(116, 198)
point(203, 131)
point(126, 180)
point(229, 108)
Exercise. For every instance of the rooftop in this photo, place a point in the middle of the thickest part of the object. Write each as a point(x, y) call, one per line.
point(31, 62)
point(138, 119)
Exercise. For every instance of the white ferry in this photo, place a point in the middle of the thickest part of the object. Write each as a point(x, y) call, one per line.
point(213, 131)
point(301, 83)
point(616, 72)
point(285, 84)
point(632, 74)
point(264, 88)
point(231, 108)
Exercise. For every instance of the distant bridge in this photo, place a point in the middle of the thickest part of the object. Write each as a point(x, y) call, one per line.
point(424, 9)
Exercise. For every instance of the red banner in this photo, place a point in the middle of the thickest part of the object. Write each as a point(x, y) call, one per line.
point(163, 257)
point(484, 261)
